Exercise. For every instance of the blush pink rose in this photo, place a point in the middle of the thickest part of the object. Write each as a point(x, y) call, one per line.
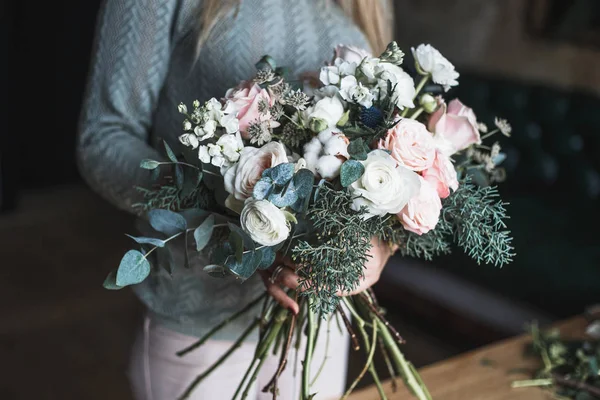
point(422, 212)
point(243, 101)
point(410, 144)
point(454, 125)
point(351, 53)
point(442, 175)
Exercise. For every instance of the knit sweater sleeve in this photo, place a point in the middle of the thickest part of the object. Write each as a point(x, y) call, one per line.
point(129, 63)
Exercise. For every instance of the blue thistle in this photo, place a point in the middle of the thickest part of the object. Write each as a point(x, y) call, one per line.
point(371, 116)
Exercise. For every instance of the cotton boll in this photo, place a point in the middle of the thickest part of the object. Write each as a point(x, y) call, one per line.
point(337, 145)
point(325, 135)
point(329, 167)
point(314, 146)
point(311, 160)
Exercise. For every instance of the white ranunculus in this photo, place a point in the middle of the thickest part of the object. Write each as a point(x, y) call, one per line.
point(404, 85)
point(329, 75)
point(240, 179)
point(189, 140)
point(430, 60)
point(351, 53)
point(265, 223)
point(328, 109)
point(384, 188)
point(361, 95)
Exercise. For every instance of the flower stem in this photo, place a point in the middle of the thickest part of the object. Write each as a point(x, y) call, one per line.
point(253, 377)
point(326, 357)
point(487, 135)
point(220, 326)
point(308, 353)
point(367, 365)
point(234, 347)
point(531, 383)
point(421, 85)
point(418, 112)
point(241, 384)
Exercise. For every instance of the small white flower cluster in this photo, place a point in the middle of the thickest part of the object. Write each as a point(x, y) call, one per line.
point(202, 124)
point(365, 81)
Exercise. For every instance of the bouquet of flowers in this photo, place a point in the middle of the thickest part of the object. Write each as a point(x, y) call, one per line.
point(315, 170)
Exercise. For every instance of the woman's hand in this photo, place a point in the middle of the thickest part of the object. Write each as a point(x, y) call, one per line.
point(280, 274)
point(380, 254)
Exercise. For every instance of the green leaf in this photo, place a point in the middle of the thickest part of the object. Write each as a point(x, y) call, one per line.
point(110, 282)
point(216, 271)
point(268, 257)
point(179, 176)
point(248, 265)
point(321, 183)
point(155, 175)
point(149, 164)
point(194, 216)
point(290, 217)
point(203, 233)
point(263, 188)
point(280, 174)
point(237, 243)
point(266, 62)
point(248, 242)
point(166, 221)
point(148, 240)
point(134, 268)
point(358, 149)
point(304, 180)
point(170, 153)
point(350, 172)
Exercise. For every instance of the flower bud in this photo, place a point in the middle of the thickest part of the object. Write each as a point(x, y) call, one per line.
point(392, 54)
point(344, 120)
point(196, 104)
point(428, 103)
point(182, 108)
point(187, 125)
point(317, 125)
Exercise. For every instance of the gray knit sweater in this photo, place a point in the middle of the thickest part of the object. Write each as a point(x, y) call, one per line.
point(143, 66)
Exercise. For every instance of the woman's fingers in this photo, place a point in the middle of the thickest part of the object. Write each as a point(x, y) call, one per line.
point(282, 298)
point(288, 278)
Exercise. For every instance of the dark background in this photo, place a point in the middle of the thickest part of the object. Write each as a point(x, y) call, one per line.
point(58, 240)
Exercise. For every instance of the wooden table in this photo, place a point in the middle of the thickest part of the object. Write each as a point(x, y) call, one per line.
point(481, 374)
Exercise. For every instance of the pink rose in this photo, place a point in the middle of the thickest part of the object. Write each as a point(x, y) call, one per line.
point(422, 212)
point(351, 53)
point(442, 175)
point(241, 177)
point(244, 101)
point(410, 144)
point(454, 125)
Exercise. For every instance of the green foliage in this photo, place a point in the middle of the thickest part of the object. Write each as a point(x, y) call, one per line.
point(166, 221)
point(134, 268)
point(350, 172)
point(110, 282)
point(148, 240)
point(203, 232)
point(169, 197)
point(149, 164)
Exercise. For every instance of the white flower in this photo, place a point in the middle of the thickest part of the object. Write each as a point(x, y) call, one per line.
point(345, 68)
point(384, 188)
point(240, 179)
point(430, 60)
point(189, 140)
point(230, 123)
point(403, 84)
point(312, 151)
point(182, 108)
point(187, 125)
point(206, 131)
point(203, 154)
point(329, 75)
point(231, 146)
point(351, 53)
point(503, 126)
point(326, 91)
point(328, 109)
point(361, 95)
point(265, 223)
point(367, 67)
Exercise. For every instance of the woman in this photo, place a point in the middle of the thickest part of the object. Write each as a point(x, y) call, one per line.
point(148, 57)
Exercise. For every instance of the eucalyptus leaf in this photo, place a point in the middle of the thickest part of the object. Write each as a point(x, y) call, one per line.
point(203, 232)
point(267, 257)
point(179, 176)
point(321, 183)
point(263, 188)
point(358, 149)
point(304, 180)
point(170, 152)
point(194, 216)
point(280, 174)
point(155, 175)
point(149, 164)
point(166, 221)
point(350, 172)
point(134, 268)
point(248, 242)
point(247, 266)
point(216, 271)
point(148, 240)
point(110, 282)
point(284, 198)
point(237, 243)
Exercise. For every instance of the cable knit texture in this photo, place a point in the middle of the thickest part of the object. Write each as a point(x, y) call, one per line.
point(143, 65)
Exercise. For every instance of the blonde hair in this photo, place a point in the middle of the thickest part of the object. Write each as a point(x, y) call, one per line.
point(373, 17)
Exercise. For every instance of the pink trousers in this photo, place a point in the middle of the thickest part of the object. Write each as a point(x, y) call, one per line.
point(157, 373)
